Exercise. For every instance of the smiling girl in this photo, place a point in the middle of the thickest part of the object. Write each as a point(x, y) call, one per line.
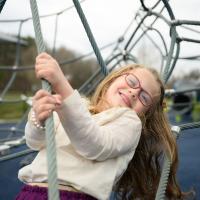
point(114, 144)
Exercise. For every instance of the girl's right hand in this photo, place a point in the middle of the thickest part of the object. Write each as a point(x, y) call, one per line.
point(44, 104)
point(47, 68)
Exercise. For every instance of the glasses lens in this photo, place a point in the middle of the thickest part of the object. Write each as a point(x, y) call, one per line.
point(132, 81)
point(145, 98)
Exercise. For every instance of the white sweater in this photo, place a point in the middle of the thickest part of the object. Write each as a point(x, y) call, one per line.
point(93, 151)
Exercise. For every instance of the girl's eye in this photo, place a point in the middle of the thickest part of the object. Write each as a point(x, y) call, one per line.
point(145, 98)
point(132, 82)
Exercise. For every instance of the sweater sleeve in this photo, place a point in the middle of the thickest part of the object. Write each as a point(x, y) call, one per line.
point(35, 138)
point(97, 142)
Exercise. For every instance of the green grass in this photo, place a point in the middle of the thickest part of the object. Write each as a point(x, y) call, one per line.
point(12, 111)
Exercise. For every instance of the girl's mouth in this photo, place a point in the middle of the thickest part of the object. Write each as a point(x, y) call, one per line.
point(125, 99)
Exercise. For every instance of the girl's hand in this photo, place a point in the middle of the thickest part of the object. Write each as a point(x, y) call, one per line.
point(46, 67)
point(44, 103)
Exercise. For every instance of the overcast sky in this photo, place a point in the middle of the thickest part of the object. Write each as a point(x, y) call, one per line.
point(108, 20)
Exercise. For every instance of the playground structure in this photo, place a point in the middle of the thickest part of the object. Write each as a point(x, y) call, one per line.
point(123, 51)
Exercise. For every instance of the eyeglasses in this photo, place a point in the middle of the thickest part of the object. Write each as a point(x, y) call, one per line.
point(133, 82)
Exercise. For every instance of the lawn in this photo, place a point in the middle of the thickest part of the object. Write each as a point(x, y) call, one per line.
point(12, 111)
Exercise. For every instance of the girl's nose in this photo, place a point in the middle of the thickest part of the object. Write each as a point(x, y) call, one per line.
point(134, 91)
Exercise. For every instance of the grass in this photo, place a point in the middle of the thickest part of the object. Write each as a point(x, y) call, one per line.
point(12, 111)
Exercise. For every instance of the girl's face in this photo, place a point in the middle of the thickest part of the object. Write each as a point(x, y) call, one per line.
point(138, 89)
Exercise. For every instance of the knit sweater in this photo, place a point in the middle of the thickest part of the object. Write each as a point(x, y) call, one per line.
point(93, 151)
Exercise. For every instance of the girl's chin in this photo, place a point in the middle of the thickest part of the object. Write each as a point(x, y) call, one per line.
point(136, 110)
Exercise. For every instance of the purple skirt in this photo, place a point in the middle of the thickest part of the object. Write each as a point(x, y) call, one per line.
point(29, 192)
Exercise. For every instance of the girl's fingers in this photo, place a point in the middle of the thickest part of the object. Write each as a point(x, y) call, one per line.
point(48, 68)
point(43, 55)
point(42, 112)
point(41, 61)
point(44, 103)
point(41, 93)
point(45, 74)
point(48, 71)
point(44, 58)
point(58, 99)
point(41, 117)
point(39, 108)
point(42, 97)
point(42, 66)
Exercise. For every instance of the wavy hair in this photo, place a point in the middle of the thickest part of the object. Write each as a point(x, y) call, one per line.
point(142, 176)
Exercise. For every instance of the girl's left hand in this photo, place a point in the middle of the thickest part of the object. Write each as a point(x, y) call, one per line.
point(46, 67)
point(44, 104)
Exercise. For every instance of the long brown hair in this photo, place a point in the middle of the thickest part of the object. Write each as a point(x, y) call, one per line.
point(142, 176)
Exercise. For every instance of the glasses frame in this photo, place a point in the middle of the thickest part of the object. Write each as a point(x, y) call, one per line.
point(139, 86)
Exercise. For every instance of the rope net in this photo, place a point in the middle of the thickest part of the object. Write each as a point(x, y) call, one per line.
point(144, 26)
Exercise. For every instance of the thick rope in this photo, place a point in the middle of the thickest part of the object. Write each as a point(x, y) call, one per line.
point(166, 74)
point(90, 37)
point(53, 193)
point(2, 3)
point(190, 126)
point(160, 195)
point(16, 155)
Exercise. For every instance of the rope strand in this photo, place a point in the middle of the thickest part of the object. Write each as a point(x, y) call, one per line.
point(53, 193)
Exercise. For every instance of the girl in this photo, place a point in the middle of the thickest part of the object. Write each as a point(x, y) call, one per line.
point(115, 146)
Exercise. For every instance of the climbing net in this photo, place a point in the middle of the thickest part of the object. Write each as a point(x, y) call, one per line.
point(123, 51)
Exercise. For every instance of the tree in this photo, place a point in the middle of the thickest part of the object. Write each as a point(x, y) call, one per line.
point(77, 72)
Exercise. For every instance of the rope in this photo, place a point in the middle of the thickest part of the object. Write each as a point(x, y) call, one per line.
point(90, 37)
point(160, 195)
point(53, 193)
point(15, 155)
point(175, 39)
point(190, 126)
point(2, 3)
point(41, 16)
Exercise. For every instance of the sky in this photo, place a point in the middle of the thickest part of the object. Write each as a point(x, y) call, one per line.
point(108, 20)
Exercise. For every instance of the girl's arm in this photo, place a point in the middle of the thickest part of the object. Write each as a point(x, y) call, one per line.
point(97, 142)
point(35, 137)
point(89, 139)
point(43, 102)
point(43, 106)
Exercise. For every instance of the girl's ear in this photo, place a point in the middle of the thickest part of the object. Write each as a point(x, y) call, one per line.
point(164, 104)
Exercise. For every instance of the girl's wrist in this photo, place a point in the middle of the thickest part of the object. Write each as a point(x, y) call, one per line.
point(65, 90)
point(35, 122)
